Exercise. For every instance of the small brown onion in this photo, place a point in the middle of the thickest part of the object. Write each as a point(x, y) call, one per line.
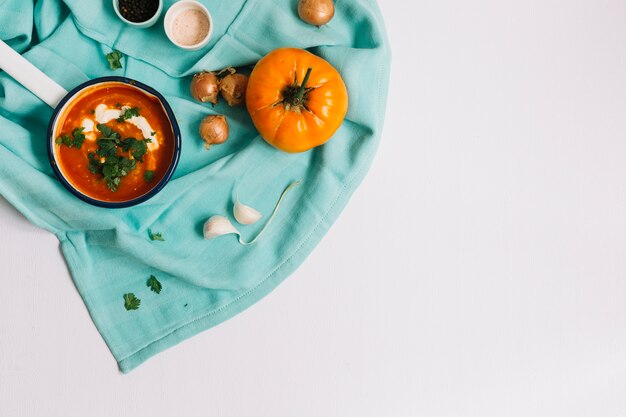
point(214, 130)
point(205, 87)
point(316, 12)
point(233, 88)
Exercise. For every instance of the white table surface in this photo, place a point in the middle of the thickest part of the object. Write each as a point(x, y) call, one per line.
point(479, 270)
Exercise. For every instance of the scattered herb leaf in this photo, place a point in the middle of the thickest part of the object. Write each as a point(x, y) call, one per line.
point(154, 284)
point(131, 302)
point(152, 133)
point(156, 236)
point(148, 175)
point(118, 105)
point(114, 60)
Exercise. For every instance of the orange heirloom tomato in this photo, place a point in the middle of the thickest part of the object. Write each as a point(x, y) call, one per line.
point(297, 100)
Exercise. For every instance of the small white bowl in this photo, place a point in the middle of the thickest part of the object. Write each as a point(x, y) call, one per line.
point(140, 25)
point(176, 9)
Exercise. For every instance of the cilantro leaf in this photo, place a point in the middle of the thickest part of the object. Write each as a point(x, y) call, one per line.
point(139, 149)
point(114, 60)
point(106, 147)
point(107, 132)
point(156, 236)
point(95, 166)
point(154, 284)
point(79, 137)
point(114, 168)
point(76, 140)
point(131, 302)
point(148, 175)
point(106, 161)
point(127, 143)
point(64, 140)
point(128, 113)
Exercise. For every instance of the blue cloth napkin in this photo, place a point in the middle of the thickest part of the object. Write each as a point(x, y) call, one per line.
point(109, 251)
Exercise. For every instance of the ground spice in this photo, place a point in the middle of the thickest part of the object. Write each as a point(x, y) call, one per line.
point(190, 27)
point(138, 10)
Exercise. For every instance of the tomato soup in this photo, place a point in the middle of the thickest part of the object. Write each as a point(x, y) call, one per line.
point(114, 142)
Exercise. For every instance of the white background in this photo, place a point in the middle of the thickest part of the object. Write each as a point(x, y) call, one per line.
point(479, 270)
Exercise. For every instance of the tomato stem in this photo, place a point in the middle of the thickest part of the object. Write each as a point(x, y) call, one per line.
point(303, 85)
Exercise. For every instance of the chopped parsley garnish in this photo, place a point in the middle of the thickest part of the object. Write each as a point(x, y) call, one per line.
point(128, 113)
point(152, 133)
point(107, 132)
point(76, 140)
point(154, 284)
point(79, 137)
point(106, 161)
point(131, 302)
point(118, 105)
point(156, 236)
point(113, 169)
point(114, 60)
point(64, 140)
point(148, 175)
point(137, 148)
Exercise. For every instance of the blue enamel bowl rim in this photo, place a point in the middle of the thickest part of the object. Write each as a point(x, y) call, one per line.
point(114, 204)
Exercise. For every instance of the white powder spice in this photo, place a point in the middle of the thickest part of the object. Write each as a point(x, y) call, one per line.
point(190, 27)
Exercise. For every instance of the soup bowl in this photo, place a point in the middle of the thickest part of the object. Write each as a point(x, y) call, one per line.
point(112, 141)
point(130, 142)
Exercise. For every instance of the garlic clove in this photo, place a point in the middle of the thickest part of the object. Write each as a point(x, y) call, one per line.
point(245, 214)
point(218, 226)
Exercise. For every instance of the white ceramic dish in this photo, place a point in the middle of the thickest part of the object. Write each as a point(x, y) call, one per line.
point(140, 25)
point(175, 10)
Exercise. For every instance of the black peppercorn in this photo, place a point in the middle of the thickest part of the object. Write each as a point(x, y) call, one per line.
point(138, 10)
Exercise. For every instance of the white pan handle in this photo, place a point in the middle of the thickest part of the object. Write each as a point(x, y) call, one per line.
point(30, 76)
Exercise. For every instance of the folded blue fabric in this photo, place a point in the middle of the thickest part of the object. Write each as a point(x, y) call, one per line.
point(108, 251)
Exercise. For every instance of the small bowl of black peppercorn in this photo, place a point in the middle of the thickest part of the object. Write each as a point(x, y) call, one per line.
point(138, 13)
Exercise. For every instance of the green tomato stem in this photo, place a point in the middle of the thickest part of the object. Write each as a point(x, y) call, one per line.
point(303, 85)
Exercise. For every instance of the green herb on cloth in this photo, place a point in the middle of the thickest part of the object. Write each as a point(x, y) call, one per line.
point(156, 236)
point(114, 60)
point(154, 284)
point(131, 302)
